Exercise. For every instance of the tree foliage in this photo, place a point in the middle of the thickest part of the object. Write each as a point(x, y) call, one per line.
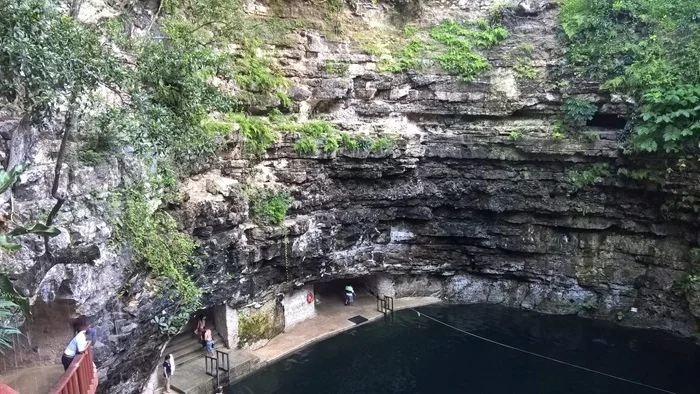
point(648, 49)
point(8, 324)
point(7, 180)
point(47, 58)
point(578, 112)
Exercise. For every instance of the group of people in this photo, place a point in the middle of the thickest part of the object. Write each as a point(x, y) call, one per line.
point(84, 335)
point(205, 334)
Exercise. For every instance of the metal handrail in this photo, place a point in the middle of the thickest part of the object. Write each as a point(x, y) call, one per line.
point(385, 304)
point(211, 366)
point(80, 377)
point(224, 364)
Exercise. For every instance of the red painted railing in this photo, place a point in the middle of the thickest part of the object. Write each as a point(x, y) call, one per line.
point(79, 378)
point(5, 389)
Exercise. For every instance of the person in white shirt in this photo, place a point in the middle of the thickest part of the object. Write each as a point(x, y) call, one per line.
point(76, 346)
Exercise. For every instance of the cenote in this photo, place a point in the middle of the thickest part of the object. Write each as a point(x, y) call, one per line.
point(412, 354)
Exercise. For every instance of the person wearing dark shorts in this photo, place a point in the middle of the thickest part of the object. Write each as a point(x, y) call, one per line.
point(168, 371)
point(76, 346)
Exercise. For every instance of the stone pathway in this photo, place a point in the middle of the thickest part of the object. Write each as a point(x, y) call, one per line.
point(331, 318)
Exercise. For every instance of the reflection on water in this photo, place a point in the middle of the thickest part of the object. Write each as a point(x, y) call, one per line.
point(412, 354)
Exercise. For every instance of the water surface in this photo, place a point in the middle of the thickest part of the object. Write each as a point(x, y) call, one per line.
point(412, 354)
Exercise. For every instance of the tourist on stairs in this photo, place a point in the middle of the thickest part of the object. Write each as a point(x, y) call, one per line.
point(201, 323)
point(349, 295)
point(168, 370)
point(209, 342)
point(76, 346)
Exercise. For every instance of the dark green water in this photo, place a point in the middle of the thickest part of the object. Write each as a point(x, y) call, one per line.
point(412, 354)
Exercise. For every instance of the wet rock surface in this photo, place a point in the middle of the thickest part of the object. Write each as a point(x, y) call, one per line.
point(485, 217)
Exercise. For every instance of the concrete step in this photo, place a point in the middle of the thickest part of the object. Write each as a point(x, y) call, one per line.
point(193, 345)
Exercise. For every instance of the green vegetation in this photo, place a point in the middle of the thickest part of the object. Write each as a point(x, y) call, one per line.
point(460, 40)
point(590, 304)
point(409, 57)
point(525, 71)
point(254, 327)
point(8, 323)
point(647, 49)
point(516, 134)
point(380, 145)
point(258, 133)
point(306, 146)
point(170, 324)
point(48, 60)
point(641, 175)
point(333, 67)
point(577, 112)
point(589, 176)
point(451, 44)
point(7, 180)
point(155, 241)
point(321, 134)
point(669, 120)
point(269, 207)
point(687, 283)
point(521, 57)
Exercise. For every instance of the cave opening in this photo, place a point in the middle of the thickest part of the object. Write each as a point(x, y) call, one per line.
point(607, 121)
point(331, 294)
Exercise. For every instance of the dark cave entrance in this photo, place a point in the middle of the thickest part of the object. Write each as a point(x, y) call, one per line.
point(333, 292)
point(607, 121)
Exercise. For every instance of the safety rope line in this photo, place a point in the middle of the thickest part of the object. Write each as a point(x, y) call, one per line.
point(539, 355)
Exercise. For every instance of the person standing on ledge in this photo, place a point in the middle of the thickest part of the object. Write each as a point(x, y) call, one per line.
point(349, 295)
point(168, 369)
point(209, 341)
point(76, 346)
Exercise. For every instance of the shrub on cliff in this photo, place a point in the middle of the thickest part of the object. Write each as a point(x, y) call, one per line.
point(647, 49)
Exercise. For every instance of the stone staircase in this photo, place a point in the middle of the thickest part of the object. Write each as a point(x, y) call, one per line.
point(186, 348)
point(190, 376)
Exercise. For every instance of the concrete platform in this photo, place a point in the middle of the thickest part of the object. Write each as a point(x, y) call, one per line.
point(331, 318)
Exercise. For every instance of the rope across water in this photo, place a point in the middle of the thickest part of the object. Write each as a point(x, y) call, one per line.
point(539, 355)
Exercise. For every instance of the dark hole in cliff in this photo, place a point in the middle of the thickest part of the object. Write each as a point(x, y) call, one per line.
point(326, 106)
point(64, 291)
point(607, 121)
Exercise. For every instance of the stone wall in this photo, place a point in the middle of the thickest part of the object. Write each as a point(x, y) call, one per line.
point(380, 285)
point(420, 286)
point(296, 307)
point(455, 198)
point(226, 322)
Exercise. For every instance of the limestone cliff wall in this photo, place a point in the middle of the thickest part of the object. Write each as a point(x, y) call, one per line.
point(473, 213)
